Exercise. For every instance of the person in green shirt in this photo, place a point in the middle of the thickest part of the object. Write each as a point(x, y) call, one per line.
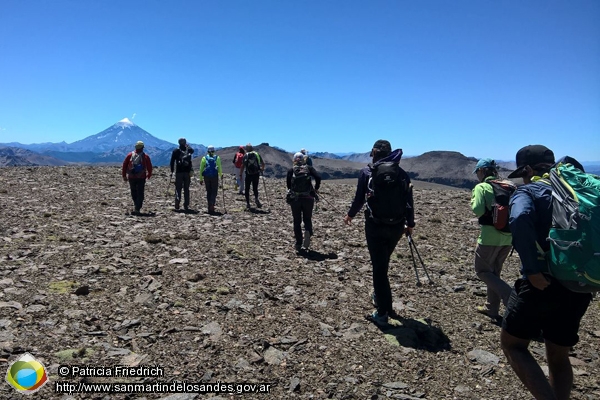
point(493, 246)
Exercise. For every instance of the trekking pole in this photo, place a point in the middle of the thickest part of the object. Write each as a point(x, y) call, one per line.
point(265, 186)
point(223, 192)
point(328, 203)
point(412, 244)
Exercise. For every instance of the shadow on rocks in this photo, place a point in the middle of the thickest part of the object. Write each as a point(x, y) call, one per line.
point(415, 333)
point(258, 211)
point(317, 256)
point(143, 214)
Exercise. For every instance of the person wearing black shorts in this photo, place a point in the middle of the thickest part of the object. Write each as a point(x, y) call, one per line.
point(539, 305)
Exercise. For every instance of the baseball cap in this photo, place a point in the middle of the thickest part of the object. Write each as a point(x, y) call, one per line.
point(298, 157)
point(139, 145)
point(485, 163)
point(532, 155)
point(210, 148)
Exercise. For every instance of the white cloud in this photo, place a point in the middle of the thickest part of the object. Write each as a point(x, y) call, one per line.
point(133, 117)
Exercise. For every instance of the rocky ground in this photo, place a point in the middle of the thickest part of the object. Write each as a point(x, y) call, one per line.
point(225, 298)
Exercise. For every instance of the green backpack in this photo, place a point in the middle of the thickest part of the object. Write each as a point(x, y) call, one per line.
point(574, 256)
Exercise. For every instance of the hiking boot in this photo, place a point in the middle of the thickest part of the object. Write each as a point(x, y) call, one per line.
point(258, 204)
point(306, 241)
point(379, 319)
point(298, 246)
point(248, 206)
point(373, 299)
point(177, 206)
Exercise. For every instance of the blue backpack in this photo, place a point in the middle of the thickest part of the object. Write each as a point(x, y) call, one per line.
point(211, 166)
point(574, 256)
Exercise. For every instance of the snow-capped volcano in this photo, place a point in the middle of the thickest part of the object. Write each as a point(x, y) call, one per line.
point(123, 133)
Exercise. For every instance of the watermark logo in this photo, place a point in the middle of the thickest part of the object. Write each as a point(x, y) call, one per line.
point(27, 375)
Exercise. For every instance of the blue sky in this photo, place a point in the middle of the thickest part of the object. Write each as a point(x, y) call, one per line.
point(482, 77)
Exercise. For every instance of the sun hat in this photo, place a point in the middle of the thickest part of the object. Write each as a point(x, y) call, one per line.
point(485, 163)
point(298, 157)
point(532, 155)
point(210, 148)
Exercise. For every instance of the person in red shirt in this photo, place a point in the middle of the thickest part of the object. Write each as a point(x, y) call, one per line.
point(137, 167)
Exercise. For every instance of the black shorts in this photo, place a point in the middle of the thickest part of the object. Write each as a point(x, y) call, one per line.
point(554, 312)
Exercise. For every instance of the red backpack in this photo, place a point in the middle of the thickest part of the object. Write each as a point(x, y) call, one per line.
point(239, 158)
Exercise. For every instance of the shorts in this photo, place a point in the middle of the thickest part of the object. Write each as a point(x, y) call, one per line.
point(554, 312)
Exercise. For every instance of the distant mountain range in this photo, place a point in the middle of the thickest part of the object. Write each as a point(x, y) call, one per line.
point(110, 146)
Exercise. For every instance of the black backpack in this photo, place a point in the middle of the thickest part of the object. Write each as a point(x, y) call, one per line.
point(499, 213)
point(252, 165)
point(387, 193)
point(301, 183)
point(184, 161)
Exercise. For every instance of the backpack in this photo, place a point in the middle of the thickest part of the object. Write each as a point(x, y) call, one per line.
point(136, 163)
point(252, 165)
point(184, 161)
point(210, 169)
point(498, 215)
point(238, 160)
point(387, 193)
point(574, 256)
point(301, 183)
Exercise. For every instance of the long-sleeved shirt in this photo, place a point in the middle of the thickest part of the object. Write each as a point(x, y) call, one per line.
point(482, 199)
point(176, 155)
point(360, 197)
point(147, 171)
point(530, 221)
point(203, 167)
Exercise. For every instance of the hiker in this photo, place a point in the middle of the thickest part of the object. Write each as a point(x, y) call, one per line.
point(493, 245)
point(308, 159)
point(181, 166)
point(387, 190)
point(210, 171)
point(301, 198)
point(238, 159)
point(539, 304)
point(137, 167)
point(254, 165)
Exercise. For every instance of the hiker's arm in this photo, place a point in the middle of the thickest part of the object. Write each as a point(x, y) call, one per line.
point(148, 166)
point(219, 169)
point(410, 209)
point(478, 200)
point(190, 150)
point(317, 177)
point(523, 219)
point(360, 195)
point(125, 165)
point(202, 167)
point(288, 180)
point(262, 162)
point(173, 158)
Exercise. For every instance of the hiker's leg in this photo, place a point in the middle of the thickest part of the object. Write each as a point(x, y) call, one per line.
point(140, 193)
point(255, 180)
point(208, 184)
point(297, 215)
point(178, 186)
point(496, 287)
point(504, 288)
point(214, 190)
point(559, 369)
point(133, 190)
point(186, 187)
point(525, 366)
point(378, 243)
point(247, 183)
point(307, 209)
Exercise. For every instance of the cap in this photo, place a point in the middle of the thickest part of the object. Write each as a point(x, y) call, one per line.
point(485, 163)
point(303, 151)
point(210, 148)
point(532, 155)
point(139, 145)
point(249, 147)
point(182, 141)
point(298, 157)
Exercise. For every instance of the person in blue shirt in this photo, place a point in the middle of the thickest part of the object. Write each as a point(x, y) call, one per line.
point(539, 304)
